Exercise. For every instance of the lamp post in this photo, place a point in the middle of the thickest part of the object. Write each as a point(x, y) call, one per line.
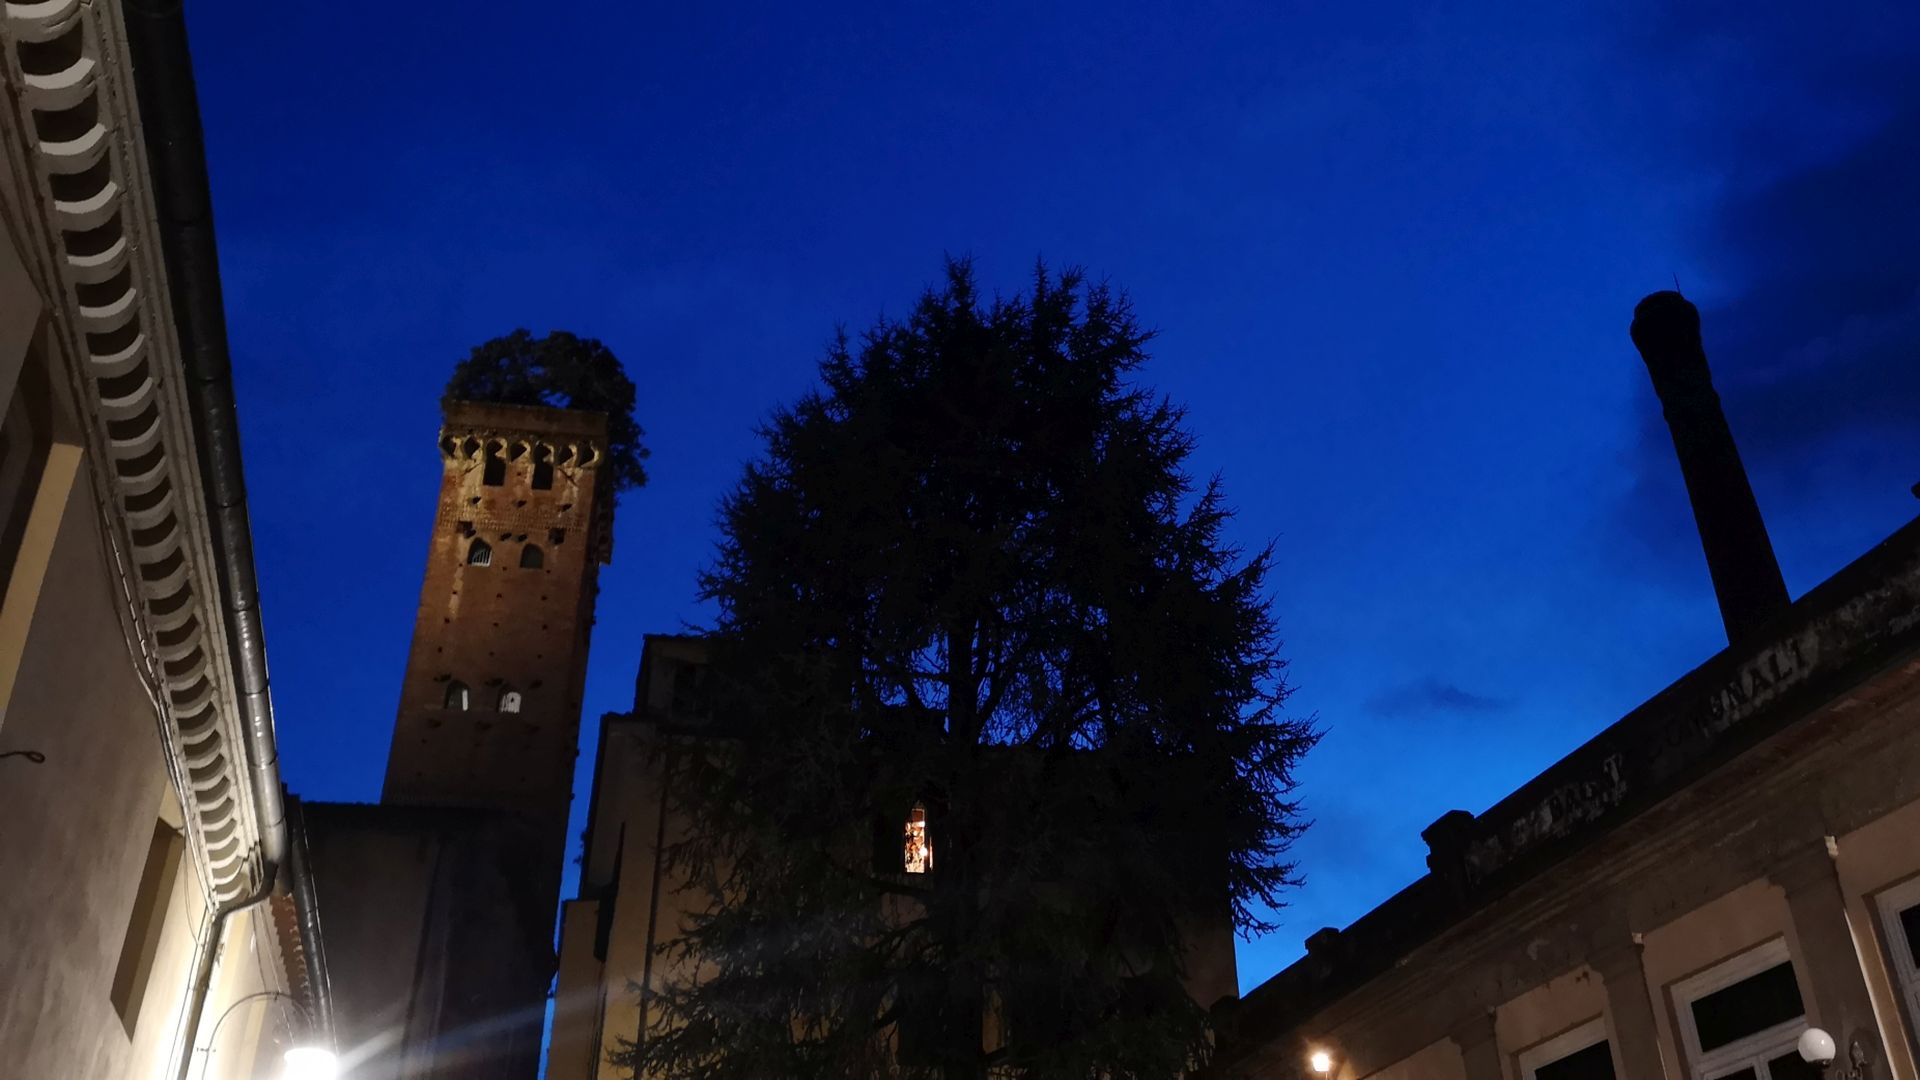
point(1816, 1048)
point(310, 1061)
point(1321, 1062)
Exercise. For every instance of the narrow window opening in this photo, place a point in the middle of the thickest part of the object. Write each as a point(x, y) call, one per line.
point(480, 554)
point(509, 701)
point(917, 849)
point(542, 470)
point(531, 558)
point(494, 472)
point(457, 697)
point(26, 439)
point(142, 943)
point(556, 536)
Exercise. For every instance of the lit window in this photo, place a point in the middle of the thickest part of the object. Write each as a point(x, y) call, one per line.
point(1580, 1054)
point(480, 554)
point(917, 849)
point(457, 697)
point(510, 701)
point(1743, 1017)
point(531, 557)
point(1900, 916)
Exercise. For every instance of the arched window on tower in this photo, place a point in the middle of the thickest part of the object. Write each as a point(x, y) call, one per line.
point(457, 697)
point(509, 700)
point(480, 554)
point(542, 469)
point(531, 558)
point(917, 847)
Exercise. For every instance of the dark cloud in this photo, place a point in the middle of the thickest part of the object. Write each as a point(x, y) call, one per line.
point(1812, 133)
point(1432, 695)
point(1823, 341)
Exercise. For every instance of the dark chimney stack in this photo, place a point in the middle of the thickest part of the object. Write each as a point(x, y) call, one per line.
point(1746, 576)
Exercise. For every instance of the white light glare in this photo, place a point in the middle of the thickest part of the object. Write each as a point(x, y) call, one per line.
point(311, 1063)
point(1321, 1061)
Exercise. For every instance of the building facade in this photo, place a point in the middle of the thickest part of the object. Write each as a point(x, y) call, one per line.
point(440, 900)
point(1730, 864)
point(155, 919)
point(631, 903)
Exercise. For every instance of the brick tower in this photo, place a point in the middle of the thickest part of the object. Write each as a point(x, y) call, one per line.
point(440, 901)
point(490, 706)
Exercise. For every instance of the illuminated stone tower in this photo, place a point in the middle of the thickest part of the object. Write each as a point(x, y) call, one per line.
point(440, 901)
point(490, 706)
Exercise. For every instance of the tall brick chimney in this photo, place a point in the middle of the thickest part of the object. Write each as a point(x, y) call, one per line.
point(1746, 576)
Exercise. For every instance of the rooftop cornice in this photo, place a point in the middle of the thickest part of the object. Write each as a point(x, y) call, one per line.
point(74, 103)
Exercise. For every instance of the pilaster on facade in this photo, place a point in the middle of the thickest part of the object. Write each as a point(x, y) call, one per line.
point(73, 99)
point(1479, 1046)
point(1828, 950)
point(1634, 1031)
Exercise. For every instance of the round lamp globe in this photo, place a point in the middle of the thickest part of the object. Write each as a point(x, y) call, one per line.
point(1815, 1046)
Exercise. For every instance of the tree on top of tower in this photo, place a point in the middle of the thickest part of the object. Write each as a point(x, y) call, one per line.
point(562, 371)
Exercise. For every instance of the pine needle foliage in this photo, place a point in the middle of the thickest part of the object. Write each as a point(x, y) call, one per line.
point(971, 573)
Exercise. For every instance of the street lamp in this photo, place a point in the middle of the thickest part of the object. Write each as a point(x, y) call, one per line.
point(311, 1061)
point(1816, 1048)
point(1322, 1063)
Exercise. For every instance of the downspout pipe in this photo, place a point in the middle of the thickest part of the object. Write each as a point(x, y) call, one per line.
point(307, 914)
point(176, 158)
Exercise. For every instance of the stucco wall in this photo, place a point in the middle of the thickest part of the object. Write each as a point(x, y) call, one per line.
point(75, 844)
point(1440, 1061)
point(77, 827)
point(1546, 1012)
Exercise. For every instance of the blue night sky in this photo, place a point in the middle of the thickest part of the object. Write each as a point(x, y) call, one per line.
point(1391, 256)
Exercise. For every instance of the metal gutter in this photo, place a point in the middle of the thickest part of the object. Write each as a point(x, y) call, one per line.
point(176, 159)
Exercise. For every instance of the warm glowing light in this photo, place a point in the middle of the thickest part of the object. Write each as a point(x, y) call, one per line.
point(311, 1063)
point(1322, 1062)
point(918, 849)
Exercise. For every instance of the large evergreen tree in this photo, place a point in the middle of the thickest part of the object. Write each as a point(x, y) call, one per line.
point(971, 574)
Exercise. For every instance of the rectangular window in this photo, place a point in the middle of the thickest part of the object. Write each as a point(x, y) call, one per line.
point(145, 924)
point(1740, 1019)
point(1900, 921)
point(1580, 1054)
point(26, 436)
